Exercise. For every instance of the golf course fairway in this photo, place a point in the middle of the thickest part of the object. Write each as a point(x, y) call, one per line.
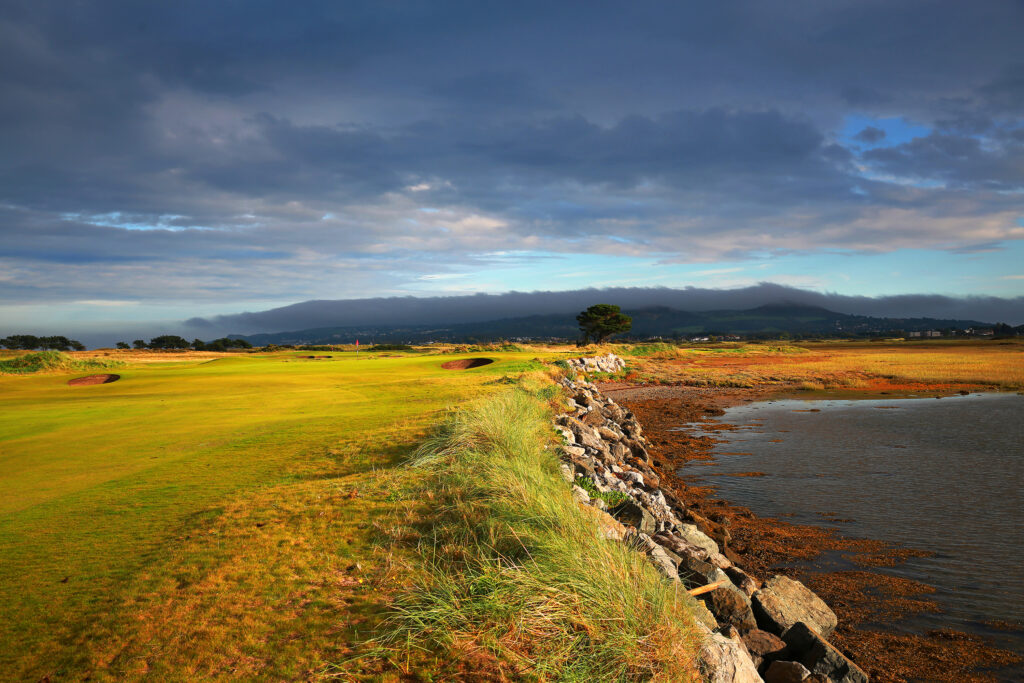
point(207, 517)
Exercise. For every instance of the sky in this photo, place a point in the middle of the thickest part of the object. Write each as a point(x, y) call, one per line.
point(161, 162)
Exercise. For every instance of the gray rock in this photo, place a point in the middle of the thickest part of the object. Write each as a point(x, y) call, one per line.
point(763, 645)
point(566, 472)
point(694, 536)
point(663, 563)
point(783, 602)
point(786, 672)
point(613, 412)
point(580, 494)
point(631, 514)
point(591, 440)
point(679, 546)
point(726, 661)
point(582, 464)
point(633, 478)
point(730, 605)
point(697, 572)
point(742, 580)
point(637, 540)
point(704, 615)
point(820, 657)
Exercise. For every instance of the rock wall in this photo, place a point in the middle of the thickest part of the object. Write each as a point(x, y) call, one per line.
point(776, 631)
point(607, 363)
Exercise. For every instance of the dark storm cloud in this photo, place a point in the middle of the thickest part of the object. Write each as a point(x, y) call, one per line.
point(261, 136)
point(481, 307)
point(958, 160)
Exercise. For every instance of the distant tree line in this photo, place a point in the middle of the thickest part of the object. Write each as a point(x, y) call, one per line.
point(30, 342)
point(174, 342)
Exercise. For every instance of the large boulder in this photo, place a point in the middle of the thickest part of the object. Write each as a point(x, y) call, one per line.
point(731, 606)
point(762, 645)
point(726, 661)
point(694, 536)
point(697, 572)
point(812, 650)
point(745, 582)
point(786, 672)
point(704, 615)
point(662, 561)
point(783, 602)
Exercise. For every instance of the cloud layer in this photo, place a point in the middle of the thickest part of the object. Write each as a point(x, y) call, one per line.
point(237, 152)
point(481, 307)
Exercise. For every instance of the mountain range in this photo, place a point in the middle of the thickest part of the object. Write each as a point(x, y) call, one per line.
point(658, 321)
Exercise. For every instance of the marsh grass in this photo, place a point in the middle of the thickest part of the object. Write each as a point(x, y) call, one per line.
point(518, 574)
point(842, 365)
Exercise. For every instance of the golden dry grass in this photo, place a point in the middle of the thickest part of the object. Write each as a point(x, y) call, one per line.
point(851, 366)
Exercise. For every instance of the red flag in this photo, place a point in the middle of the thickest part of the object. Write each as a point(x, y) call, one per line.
point(357, 342)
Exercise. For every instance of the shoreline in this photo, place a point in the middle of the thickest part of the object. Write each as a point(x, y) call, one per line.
point(870, 604)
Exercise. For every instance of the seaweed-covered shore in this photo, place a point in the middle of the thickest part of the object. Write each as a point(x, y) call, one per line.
point(869, 603)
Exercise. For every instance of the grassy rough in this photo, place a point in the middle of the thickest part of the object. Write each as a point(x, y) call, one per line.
point(52, 361)
point(520, 576)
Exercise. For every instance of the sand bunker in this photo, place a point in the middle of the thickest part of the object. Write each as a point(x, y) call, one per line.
point(467, 363)
point(93, 379)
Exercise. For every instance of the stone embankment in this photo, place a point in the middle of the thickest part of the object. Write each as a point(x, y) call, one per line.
point(607, 363)
point(774, 631)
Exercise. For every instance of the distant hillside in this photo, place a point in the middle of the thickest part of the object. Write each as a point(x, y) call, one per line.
point(769, 320)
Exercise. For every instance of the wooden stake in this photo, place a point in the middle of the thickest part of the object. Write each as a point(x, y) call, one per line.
point(706, 589)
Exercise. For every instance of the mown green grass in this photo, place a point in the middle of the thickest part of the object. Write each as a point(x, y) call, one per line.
point(197, 520)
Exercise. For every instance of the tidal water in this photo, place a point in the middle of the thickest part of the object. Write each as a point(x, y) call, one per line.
point(944, 476)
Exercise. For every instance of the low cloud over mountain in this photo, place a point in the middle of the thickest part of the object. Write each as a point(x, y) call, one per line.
point(480, 307)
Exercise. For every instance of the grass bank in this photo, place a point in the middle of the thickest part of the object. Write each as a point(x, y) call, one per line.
point(518, 579)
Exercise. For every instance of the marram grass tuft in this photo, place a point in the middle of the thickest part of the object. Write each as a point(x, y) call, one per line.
point(518, 571)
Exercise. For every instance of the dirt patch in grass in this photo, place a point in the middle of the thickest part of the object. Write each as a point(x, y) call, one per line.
point(93, 379)
point(467, 363)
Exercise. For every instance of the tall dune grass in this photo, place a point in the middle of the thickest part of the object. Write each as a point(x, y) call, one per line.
point(52, 361)
point(517, 569)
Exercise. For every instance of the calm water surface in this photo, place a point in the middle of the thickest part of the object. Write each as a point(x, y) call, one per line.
point(938, 475)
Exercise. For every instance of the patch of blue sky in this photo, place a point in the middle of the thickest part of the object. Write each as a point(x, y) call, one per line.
point(897, 129)
point(117, 219)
